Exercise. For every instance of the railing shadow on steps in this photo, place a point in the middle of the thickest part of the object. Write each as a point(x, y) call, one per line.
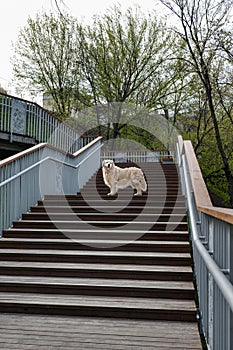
point(43, 169)
point(212, 241)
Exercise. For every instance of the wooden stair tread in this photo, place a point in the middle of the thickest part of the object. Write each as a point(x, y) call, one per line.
point(126, 200)
point(123, 244)
point(97, 256)
point(99, 306)
point(75, 333)
point(120, 196)
point(110, 287)
point(97, 234)
point(99, 270)
point(98, 301)
point(71, 215)
point(95, 253)
point(97, 282)
point(70, 242)
point(96, 221)
point(105, 222)
point(95, 230)
point(106, 209)
point(113, 267)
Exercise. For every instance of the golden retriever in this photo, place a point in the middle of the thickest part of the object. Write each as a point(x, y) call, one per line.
point(119, 178)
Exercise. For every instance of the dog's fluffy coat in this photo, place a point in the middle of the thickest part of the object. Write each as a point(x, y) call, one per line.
point(119, 178)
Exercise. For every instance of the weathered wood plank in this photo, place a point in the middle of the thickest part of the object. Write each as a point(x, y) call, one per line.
point(38, 332)
point(113, 267)
point(100, 306)
point(73, 300)
point(100, 287)
point(97, 282)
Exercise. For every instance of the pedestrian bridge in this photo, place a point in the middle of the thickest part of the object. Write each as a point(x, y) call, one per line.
point(24, 124)
point(81, 270)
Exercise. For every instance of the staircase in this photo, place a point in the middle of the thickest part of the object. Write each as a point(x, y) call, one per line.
point(98, 256)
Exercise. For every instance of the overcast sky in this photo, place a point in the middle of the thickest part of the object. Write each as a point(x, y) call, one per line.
point(14, 14)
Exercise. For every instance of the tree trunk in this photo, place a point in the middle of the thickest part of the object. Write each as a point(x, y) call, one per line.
point(227, 169)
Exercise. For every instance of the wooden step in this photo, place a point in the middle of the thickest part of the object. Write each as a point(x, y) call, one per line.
point(114, 244)
point(97, 286)
point(103, 216)
point(89, 256)
point(83, 333)
point(116, 271)
point(75, 333)
point(152, 185)
point(104, 191)
point(150, 178)
point(94, 233)
point(114, 200)
point(116, 307)
point(123, 196)
point(108, 209)
point(81, 225)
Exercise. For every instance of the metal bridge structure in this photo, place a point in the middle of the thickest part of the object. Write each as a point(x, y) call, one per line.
point(80, 269)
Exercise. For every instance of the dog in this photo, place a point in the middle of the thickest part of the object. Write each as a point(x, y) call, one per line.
point(119, 178)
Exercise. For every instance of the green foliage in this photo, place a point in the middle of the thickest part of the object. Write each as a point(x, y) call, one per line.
point(45, 60)
point(116, 58)
point(142, 136)
point(121, 54)
point(185, 73)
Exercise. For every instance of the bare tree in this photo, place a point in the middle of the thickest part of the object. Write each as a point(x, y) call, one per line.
point(200, 22)
point(58, 4)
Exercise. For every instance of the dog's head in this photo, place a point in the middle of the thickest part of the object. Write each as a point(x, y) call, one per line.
point(108, 164)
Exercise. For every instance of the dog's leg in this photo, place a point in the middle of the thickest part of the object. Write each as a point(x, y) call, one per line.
point(113, 190)
point(136, 186)
point(138, 193)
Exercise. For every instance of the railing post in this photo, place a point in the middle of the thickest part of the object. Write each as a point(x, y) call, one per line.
point(210, 246)
point(210, 299)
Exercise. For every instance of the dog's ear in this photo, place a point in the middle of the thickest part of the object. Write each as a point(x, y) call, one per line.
point(103, 162)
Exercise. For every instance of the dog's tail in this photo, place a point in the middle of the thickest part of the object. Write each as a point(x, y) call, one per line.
point(144, 184)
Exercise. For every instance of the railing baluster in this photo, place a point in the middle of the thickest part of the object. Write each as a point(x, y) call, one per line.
point(134, 156)
point(40, 124)
point(212, 257)
point(21, 184)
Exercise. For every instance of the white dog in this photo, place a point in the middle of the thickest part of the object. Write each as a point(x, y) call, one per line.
point(119, 178)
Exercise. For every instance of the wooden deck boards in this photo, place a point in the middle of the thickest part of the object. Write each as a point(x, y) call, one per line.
point(127, 285)
point(24, 332)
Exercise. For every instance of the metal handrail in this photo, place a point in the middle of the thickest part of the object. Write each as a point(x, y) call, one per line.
point(3, 183)
point(137, 155)
point(32, 175)
point(224, 285)
point(38, 124)
point(211, 231)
